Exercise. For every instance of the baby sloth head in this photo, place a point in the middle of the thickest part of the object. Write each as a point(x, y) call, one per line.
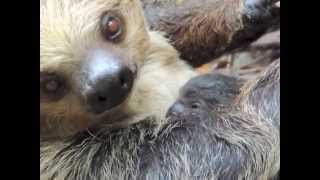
point(90, 54)
point(203, 93)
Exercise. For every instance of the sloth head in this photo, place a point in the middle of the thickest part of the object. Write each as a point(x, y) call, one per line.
point(90, 54)
point(203, 93)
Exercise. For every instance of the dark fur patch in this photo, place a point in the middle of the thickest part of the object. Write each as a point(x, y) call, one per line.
point(202, 31)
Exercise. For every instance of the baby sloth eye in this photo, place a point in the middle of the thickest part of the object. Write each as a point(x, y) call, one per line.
point(111, 26)
point(52, 87)
point(195, 105)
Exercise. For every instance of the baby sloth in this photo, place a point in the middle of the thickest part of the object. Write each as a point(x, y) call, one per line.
point(229, 134)
point(99, 62)
point(213, 89)
point(236, 136)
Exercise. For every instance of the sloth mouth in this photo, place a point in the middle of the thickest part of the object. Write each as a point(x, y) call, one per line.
point(109, 120)
point(117, 114)
point(114, 114)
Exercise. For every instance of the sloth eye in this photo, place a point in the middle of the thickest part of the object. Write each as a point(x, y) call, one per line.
point(111, 27)
point(52, 87)
point(195, 105)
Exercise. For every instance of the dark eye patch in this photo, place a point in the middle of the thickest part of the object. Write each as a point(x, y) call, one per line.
point(52, 87)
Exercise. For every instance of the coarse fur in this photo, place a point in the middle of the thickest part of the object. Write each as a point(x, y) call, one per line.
point(243, 129)
point(206, 29)
point(68, 32)
point(217, 140)
point(262, 95)
point(135, 140)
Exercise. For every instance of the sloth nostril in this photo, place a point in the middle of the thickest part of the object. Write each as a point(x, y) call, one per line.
point(102, 98)
point(110, 88)
point(125, 78)
point(123, 82)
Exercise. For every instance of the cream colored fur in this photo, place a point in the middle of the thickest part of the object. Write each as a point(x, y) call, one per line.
point(69, 29)
point(159, 81)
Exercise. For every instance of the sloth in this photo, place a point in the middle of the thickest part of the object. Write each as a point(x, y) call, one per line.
point(106, 84)
point(100, 63)
point(241, 124)
point(204, 30)
point(223, 128)
point(212, 88)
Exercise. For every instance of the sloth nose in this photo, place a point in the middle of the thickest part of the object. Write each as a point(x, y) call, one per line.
point(110, 83)
point(176, 109)
point(110, 90)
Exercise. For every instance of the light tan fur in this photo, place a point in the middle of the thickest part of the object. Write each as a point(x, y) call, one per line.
point(147, 146)
point(69, 29)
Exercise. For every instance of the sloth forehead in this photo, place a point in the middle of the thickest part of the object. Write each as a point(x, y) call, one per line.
point(69, 28)
point(66, 24)
point(66, 6)
point(71, 3)
point(80, 14)
point(58, 14)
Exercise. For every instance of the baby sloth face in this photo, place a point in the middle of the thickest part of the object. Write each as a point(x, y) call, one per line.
point(90, 55)
point(203, 93)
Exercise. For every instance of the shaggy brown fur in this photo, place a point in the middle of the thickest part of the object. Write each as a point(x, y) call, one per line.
point(203, 30)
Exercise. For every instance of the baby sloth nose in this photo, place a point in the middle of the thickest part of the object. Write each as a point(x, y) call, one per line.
point(175, 109)
point(110, 84)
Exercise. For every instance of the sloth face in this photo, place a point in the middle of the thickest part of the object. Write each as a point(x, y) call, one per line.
point(203, 93)
point(90, 54)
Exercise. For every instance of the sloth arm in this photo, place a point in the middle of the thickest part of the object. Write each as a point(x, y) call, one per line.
point(204, 30)
point(262, 95)
point(220, 146)
point(226, 142)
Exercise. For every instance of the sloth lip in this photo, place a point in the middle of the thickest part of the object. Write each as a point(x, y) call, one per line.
point(109, 115)
point(114, 114)
point(109, 119)
point(104, 115)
